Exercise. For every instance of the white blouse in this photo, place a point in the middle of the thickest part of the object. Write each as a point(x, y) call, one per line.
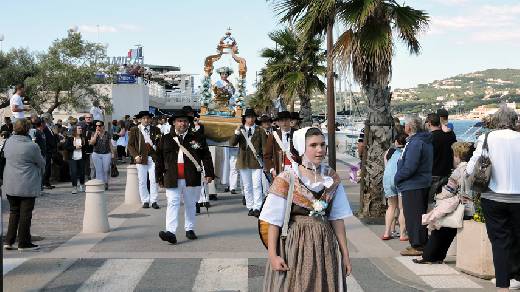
point(273, 210)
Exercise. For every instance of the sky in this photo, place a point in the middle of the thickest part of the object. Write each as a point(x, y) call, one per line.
point(463, 36)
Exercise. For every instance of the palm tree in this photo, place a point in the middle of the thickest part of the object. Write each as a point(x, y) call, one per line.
point(293, 69)
point(367, 45)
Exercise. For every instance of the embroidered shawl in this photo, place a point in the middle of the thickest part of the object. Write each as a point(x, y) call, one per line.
point(302, 196)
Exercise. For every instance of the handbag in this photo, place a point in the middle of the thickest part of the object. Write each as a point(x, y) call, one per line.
point(113, 170)
point(482, 172)
point(454, 219)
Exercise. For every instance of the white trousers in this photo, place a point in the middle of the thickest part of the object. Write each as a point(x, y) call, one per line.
point(143, 171)
point(102, 165)
point(233, 171)
point(174, 195)
point(252, 187)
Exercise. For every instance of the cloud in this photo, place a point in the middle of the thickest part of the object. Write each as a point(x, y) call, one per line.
point(483, 23)
point(102, 28)
point(452, 2)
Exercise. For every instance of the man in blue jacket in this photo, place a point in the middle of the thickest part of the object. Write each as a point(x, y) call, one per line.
point(413, 179)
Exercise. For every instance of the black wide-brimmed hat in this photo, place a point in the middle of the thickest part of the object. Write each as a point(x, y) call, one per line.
point(265, 119)
point(295, 116)
point(187, 108)
point(283, 115)
point(179, 114)
point(249, 112)
point(142, 114)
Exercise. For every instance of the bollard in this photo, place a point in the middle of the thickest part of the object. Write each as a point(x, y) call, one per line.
point(95, 218)
point(132, 186)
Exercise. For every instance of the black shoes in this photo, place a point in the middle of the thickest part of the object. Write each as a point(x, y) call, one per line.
point(168, 236)
point(155, 206)
point(191, 235)
point(49, 187)
point(29, 247)
point(9, 246)
point(256, 213)
point(146, 205)
point(213, 197)
point(226, 190)
point(251, 212)
point(244, 201)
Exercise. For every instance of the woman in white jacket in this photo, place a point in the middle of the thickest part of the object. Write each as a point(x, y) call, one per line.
point(501, 203)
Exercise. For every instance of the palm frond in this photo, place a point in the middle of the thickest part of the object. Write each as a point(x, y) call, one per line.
point(409, 23)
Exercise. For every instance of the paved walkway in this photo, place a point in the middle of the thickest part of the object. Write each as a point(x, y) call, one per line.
point(228, 255)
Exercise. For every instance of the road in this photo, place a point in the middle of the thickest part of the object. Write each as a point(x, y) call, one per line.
point(228, 256)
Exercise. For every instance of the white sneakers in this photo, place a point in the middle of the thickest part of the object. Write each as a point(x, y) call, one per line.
point(80, 188)
point(513, 284)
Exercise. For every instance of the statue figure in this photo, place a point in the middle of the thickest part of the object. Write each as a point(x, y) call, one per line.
point(222, 98)
point(223, 90)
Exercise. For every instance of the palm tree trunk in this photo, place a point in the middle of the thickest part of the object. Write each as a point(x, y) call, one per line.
point(305, 110)
point(378, 133)
point(331, 102)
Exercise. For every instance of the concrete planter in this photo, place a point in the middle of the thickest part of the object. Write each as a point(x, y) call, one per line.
point(474, 254)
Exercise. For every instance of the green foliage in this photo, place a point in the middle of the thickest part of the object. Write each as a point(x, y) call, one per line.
point(293, 68)
point(479, 214)
point(16, 65)
point(471, 90)
point(66, 75)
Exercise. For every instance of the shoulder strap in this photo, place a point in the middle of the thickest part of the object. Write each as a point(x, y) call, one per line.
point(288, 206)
point(187, 153)
point(485, 145)
point(250, 145)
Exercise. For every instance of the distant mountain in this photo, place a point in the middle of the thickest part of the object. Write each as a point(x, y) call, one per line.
point(460, 93)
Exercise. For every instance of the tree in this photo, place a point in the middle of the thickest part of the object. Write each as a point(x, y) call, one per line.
point(293, 69)
point(316, 17)
point(15, 66)
point(368, 46)
point(67, 75)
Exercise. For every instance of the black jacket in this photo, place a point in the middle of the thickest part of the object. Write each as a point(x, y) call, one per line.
point(167, 153)
point(51, 141)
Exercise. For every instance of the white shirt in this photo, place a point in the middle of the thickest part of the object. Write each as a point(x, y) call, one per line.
point(273, 210)
point(97, 113)
point(504, 152)
point(16, 100)
point(180, 155)
point(77, 155)
point(165, 129)
point(285, 140)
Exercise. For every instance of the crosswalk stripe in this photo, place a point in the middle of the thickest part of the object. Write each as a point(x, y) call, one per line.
point(11, 263)
point(117, 275)
point(222, 274)
point(353, 285)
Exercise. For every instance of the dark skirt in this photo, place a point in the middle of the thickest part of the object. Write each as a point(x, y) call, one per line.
point(313, 257)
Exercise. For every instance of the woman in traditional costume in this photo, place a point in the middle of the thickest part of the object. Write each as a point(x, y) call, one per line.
point(314, 255)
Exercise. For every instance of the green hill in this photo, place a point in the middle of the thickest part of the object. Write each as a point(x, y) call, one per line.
point(461, 93)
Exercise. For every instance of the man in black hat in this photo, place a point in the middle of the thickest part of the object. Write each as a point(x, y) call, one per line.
point(266, 124)
point(195, 126)
point(182, 155)
point(249, 160)
point(275, 155)
point(142, 143)
point(295, 120)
